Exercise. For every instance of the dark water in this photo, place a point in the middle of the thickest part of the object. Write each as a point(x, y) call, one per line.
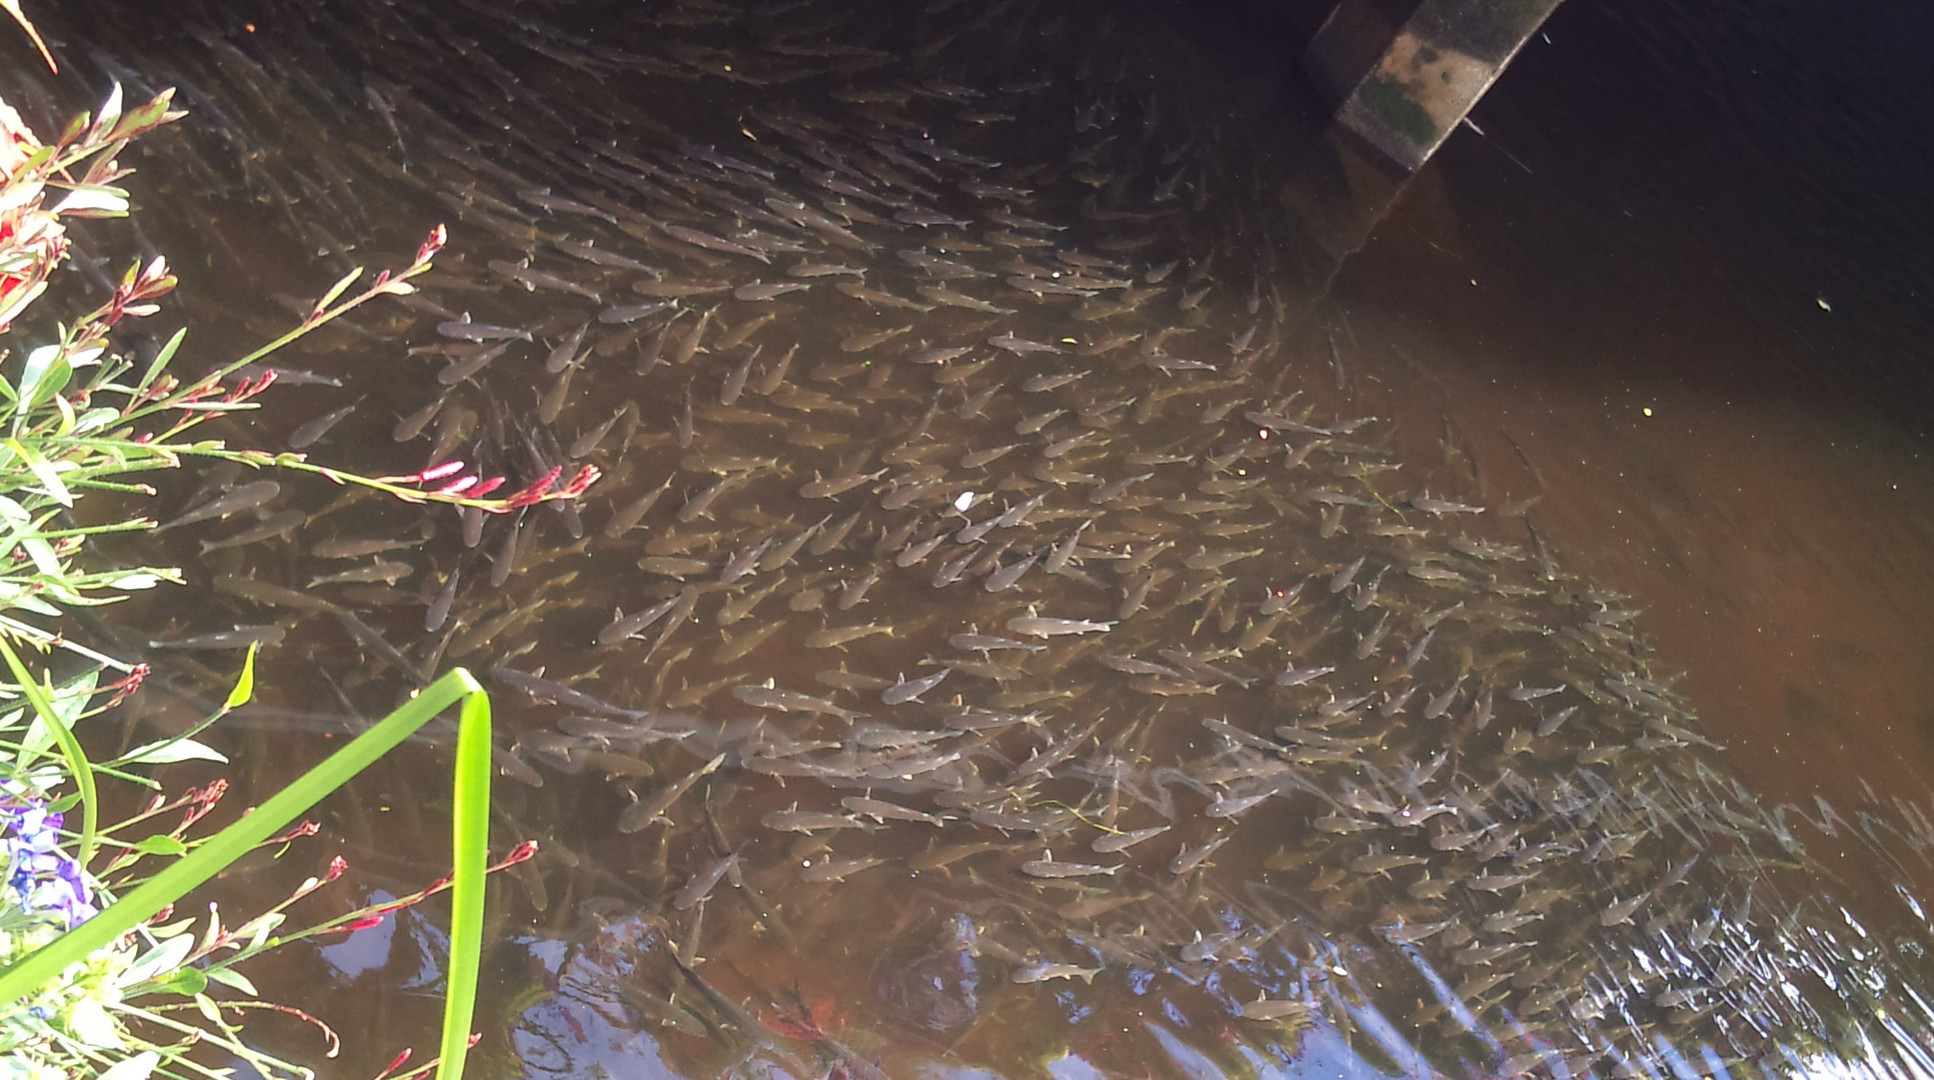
point(1527, 458)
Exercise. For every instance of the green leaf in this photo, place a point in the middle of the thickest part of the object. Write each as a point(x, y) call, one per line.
point(43, 472)
point(232, 978)
point(111, 108)
point(35, 605)
point(168, 751)
point(187, 982)
point(93, 419)
point(43, 556)
point(46, 367)
point(161, 359)
point(148, 116)
point(160, 845)
point(337, 290)
point(158, 961)
point(244, 684)
point(69, 703)
point(93, 200)
point(142, 1065)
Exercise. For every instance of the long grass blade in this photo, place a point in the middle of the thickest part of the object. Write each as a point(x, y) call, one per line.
point(470, 841)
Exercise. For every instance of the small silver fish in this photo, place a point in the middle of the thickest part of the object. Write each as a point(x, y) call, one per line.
point(351, 548)
point(1045, 971)
point(808, 821)
point(280, 524)
point(242, 637)
point(645, 811)
point(838, 869)
point(910, 690)
point(702, 885)
point(1049, 868)
point(234, 501)
point(465, 330)
point(309, 433)
point(1037, 626)
point(1019, 345)
point(385, 571)
point(1111, 843)
point(1191, 858)
point(439, 610)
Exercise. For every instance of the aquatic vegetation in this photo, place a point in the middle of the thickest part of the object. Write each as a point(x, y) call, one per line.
point(95, 977)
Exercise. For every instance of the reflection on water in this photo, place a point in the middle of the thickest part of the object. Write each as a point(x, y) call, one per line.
point(1020, 628)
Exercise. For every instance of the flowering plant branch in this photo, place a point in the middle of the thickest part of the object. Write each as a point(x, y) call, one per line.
point(90, 970)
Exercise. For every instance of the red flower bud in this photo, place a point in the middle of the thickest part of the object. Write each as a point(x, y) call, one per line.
point(586, 476)
point(434, 472)
point(535, 493)
point(439, 236)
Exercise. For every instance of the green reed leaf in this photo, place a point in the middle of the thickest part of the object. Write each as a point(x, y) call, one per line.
point(470, 841)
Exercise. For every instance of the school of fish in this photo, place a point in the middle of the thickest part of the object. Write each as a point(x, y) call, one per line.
point(985, 538)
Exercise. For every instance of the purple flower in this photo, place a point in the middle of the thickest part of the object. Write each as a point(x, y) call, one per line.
point(41, 879)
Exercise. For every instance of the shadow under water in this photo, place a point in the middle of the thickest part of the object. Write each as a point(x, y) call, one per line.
point(1003, 636)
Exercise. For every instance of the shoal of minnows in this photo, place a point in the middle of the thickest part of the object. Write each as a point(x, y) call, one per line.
point(973, 498)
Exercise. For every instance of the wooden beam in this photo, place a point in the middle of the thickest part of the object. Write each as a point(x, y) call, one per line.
point(1403, 73)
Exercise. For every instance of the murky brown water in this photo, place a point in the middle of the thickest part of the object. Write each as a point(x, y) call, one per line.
point(1435, 812)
